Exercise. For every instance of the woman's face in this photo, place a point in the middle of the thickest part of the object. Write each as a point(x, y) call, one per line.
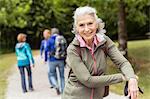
point(86, 26)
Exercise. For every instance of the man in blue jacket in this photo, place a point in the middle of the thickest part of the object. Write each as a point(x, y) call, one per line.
point(43, 49)
point(54, 62)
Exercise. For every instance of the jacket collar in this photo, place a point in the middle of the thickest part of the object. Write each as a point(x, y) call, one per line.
point(101, 40)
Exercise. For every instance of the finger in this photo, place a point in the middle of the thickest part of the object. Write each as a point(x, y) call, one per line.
point(132, 95)
point(128, 94)
point(33, 66)
point(137, 94)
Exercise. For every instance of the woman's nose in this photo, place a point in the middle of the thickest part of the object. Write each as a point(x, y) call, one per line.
point(86, 28)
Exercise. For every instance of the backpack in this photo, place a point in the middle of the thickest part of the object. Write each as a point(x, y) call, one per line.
point(60, 47)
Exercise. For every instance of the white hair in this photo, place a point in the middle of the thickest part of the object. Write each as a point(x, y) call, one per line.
point(91, 11)
point(54, 31)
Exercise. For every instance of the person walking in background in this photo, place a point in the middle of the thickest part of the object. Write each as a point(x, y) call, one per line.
point(87, 56)
point(44, 51)
point(57, 53)
point(46, 35)
point(24, 61)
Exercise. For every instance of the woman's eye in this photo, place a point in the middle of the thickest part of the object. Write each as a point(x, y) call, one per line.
point(81, 25)
point(90, 23)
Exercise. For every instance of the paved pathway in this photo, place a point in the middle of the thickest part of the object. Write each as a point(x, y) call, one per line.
point(40, 83)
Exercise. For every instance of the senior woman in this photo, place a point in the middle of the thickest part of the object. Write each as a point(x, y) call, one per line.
point(86, 58)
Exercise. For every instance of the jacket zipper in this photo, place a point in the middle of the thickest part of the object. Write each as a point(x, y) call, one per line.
point(95, 71)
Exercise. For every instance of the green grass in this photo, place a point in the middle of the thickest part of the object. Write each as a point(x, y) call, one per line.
point(140, 49)
point(139, 53)
point(6, 63)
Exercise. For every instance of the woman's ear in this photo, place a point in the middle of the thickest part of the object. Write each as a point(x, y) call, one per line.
point(75, 29)
point(97, 25)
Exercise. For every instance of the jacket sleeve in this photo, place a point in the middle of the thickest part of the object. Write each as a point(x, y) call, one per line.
point(119, 60)
point(50, 46)
point(29, 53)
point(41, 47)
point(83, 74)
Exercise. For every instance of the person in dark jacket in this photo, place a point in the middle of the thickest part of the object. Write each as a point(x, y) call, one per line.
point(24, 61)
point(43, 49)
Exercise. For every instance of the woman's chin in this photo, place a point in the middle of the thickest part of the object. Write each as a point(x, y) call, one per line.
point(88, 38)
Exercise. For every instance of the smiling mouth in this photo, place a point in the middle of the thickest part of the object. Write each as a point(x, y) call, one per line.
point(88, 33)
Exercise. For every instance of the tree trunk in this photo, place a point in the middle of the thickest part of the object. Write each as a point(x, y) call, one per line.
point(122, 33)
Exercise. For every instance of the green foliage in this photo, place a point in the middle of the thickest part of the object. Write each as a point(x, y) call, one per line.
point(108, 11)
point(33, 16)
point(50, 13)
point(13, 12)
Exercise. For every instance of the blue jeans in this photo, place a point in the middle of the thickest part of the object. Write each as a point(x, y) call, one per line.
point(53, 75)
point(49, 75)
point(22, 73)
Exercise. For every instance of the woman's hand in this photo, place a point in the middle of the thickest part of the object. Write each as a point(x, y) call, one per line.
point(32, 65)
point(133, 88)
